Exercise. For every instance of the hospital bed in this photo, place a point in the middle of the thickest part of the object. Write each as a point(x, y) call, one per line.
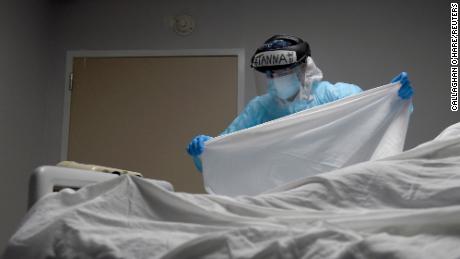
point(48, 179)
point(404, 205)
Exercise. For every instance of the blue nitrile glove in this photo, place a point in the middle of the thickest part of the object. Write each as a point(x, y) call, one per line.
point(195, 148)
point(406, 91)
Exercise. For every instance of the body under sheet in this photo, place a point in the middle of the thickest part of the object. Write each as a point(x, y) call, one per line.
point(404, 206)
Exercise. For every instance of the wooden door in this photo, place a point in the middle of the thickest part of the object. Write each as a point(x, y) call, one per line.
point(139, 113)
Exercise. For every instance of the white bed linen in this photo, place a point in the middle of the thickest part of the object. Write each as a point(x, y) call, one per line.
point(405, 206)
point(363, 127)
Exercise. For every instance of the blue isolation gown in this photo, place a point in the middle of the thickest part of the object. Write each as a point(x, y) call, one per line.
point(268, 107)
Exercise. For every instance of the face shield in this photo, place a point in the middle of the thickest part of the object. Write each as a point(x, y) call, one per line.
point(283, 83)
point(290, 83)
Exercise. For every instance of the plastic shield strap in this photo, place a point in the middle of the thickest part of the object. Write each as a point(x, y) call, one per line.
point(367, 126)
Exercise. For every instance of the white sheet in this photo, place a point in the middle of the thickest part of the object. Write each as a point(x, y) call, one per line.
point(367, 126)
point(405, 206)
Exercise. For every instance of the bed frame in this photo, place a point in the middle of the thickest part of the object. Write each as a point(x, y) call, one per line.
point(47, 179)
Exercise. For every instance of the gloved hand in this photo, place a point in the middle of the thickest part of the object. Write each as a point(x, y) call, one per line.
point(196, 146)
point(406, 91)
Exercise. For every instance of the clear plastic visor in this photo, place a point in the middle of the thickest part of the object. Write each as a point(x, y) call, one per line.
point(262, 79)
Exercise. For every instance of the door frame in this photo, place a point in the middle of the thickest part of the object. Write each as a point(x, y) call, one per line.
point(239, 53)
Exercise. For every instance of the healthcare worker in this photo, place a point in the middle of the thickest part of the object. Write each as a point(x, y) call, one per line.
point(292, 83)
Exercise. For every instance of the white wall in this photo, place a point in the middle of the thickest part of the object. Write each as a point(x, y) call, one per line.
point(361, 42)
point(23, 57)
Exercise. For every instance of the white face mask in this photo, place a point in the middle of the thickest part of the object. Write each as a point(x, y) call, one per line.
point(285, 86)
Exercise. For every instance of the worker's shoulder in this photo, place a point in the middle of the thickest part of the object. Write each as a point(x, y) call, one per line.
point(323, 85)
point(262, 99)
point(326, 86)
point(347, 85)
point(327, 92)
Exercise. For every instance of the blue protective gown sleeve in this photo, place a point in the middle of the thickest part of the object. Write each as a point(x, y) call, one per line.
point(253, 114)
point(198, 164)
point(326, 92)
